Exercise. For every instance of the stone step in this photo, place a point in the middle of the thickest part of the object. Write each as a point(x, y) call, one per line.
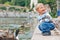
point(38, 36)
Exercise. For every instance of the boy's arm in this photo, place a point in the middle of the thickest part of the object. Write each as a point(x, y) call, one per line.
point(48, 17)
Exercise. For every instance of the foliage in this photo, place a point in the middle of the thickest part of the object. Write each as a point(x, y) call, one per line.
point(3, 1)
point(12, 8)
point(26, 3)
point(7, 3)
point(3, 8)
point(17, 9)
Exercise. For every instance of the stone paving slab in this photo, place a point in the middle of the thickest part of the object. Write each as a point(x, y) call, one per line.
point(38, 36)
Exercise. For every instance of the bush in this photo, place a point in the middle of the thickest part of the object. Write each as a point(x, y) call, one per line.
point(17, 9)
point(11, 9)
point(3, 8)
point(7, 3)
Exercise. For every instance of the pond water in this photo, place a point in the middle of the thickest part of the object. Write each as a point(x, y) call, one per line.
point(16, 22)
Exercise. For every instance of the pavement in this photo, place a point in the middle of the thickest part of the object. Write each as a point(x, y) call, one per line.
point(38, 36)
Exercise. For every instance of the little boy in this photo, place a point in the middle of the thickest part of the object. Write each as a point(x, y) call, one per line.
point(46, 24)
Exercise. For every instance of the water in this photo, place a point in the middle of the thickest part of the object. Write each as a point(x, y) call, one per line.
point(11, 22)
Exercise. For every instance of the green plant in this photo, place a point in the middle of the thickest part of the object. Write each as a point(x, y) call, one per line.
point(17, 9)
point(7, 3)
point(3, 8)
point(11, 9)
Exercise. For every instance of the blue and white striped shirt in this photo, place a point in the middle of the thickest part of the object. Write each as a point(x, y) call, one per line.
point(40, 17)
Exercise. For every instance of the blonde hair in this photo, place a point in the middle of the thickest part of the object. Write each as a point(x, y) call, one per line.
point(38, 5)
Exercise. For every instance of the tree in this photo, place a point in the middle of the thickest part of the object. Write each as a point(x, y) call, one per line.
point(13, 2)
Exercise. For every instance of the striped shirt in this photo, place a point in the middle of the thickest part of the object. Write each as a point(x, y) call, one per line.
point(45, 17)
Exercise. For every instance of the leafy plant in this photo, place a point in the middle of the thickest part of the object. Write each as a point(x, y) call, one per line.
point(12, 8)
point(3, 8)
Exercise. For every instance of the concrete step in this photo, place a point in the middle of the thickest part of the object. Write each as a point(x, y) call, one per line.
point(38, 36)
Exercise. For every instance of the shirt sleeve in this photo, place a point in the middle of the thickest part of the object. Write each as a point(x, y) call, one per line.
point(49, 18)
point(49, 15)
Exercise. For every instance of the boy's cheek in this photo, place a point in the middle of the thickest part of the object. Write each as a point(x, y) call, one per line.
point(41, 10)
point(38, 10)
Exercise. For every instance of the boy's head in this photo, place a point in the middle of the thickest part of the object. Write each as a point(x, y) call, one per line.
point(40, 8)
